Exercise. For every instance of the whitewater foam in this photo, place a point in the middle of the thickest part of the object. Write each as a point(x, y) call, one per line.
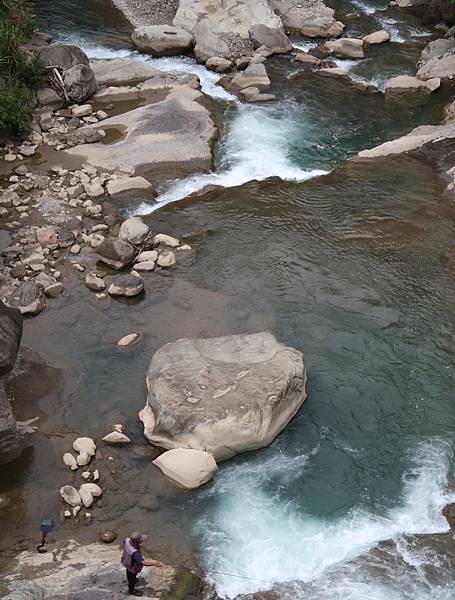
point(243, 158)
point(253, 533)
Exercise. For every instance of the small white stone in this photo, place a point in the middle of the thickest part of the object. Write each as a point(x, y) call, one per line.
point(83, 459)
point(96, 475)
point(75, 249)
point(67, 514)
point(166, 240)
point(116, 438)
point(70, 495)
point(76, 509)
point(86, 475)
point(85, 444)
point(70, 461)
point(118, 427)
point(129, 339)
point(185, 247)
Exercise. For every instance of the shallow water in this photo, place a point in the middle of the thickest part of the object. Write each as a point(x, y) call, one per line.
point(350, 267)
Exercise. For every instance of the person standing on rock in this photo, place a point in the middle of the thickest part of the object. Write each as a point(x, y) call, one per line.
point(133, 562)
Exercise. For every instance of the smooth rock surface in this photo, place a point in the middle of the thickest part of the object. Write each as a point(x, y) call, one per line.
point(125, 285)
point(70, 495)
point(377, 37)
point(253, 76)
point(222, 395)
point(273, 39)
point(134, 230)
point(345, 48)
point(188, 468)
point(405, 88)
point(116, 253)
point(115, 437)
point(121, 71)
point(174, 133)
point(162, 40)
point(85, 444)
point(120, 185)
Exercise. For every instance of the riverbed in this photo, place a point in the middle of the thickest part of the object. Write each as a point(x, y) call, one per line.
point(346, 261)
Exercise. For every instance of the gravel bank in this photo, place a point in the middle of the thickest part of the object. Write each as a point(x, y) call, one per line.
point(148, 12)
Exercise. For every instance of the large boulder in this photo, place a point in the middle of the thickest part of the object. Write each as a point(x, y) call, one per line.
point(157, 138)
point(221, 27)
point(80, 83)
point(408, 89)
point(345, 48)
point(121, 71)
point(162, 40)
point(62, 55)
point(189, 468)
point(377, 37)
point(10, 337)
point(10, 440)
point(311, 17)
point(273, 39)
point(254, 76)
point(223, 395)
point(134, 230)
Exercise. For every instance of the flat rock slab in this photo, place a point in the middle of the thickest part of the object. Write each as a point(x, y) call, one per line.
point(121, 71)
point(174, 133)
point(222, 395)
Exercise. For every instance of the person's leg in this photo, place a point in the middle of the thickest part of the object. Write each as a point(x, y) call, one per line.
point(131, 581)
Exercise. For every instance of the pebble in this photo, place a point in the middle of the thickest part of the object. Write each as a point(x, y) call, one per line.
point(70, 461)
point(54, 290)
point(166, 240)
point(107, 536)
point(116, 438)
point(129, 339)
point(75, 249)
point(85, 475)
point(70, 495)
point(166, 259)
point(94, 282)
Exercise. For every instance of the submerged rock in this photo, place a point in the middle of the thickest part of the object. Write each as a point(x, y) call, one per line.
point(125, 285)
point(189, 468)
point(222, 395)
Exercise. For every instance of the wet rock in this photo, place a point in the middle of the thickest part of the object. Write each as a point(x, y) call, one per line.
point(116, 253)
point(246, 389)
point(253, 94)
point(70, 495)
point(120, 185)
point(166, 259)
point(166, 240)
point(115, 437)
point(84, 110)
point(70, 461)
point(307, 59)
point(345, 48)
point(162, 40)
point(83, 459)
point(28, 299)
point(94, 283)
point(254, 75)
point(121, 71)
point(219, 64)
point(10, 337)
point(188, 468)
point(129, 339)
point(134, 230)
point(125, 285)
point(273, 39)
point(378, 37)
point(54, 290)
point(406, 88)
point(62, 55)
point(108, 536)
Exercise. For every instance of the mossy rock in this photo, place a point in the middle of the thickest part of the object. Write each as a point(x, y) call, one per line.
point(186, 586)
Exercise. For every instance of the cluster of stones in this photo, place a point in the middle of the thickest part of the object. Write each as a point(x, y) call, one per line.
point(133, 252)
point(86, 493)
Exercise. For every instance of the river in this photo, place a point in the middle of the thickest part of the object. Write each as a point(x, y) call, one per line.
point(349, 264)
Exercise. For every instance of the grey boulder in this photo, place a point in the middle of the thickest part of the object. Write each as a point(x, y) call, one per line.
point(80, 83)
point(162, 40)
point(116, 253)
point(125, 285)
point(28, 298)
point(273, 39)
point(64, 56)
point(223, 395)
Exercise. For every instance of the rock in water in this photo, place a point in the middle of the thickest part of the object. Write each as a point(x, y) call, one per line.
point(222, 395)
point(345, 48)
point(10, 337)
point(85, 444)
point(162, 40)
point(116, 253)
point(107, 536)
point(125, 285)
point(188, 468)
point(70, 495)
point(115, 437)
point(134, 230)
point(28, 299)
point(70, 461)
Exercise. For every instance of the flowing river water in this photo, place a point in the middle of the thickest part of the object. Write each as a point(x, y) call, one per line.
point(350, 264)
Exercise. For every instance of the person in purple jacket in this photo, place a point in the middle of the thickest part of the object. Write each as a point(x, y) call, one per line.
point(133, 562)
